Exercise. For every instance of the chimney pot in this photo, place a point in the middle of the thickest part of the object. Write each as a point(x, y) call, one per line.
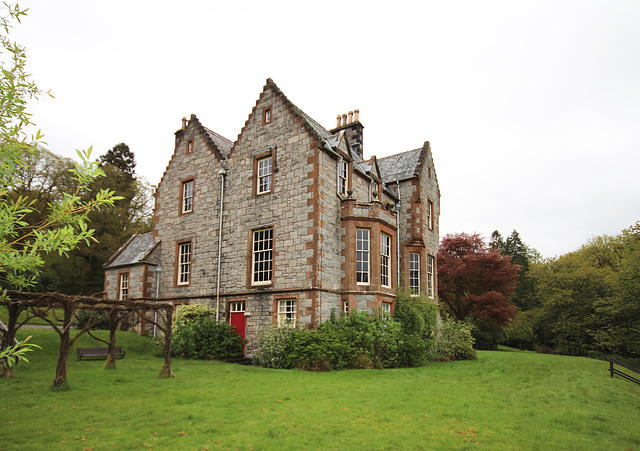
point(344, 119)
point(339, 117)
point(350, 117)
point(357, 115)
point(184, 123)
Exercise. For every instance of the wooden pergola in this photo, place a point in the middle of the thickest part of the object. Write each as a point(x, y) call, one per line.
point(38, 305)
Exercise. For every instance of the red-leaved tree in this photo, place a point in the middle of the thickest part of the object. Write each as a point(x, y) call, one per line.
point(475, 281)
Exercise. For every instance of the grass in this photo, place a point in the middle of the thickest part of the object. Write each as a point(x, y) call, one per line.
point(4, 317)
point(505, 400)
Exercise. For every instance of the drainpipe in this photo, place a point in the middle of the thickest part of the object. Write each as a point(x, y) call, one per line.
point(155, 313)
point(222, 173)
point(398, 203)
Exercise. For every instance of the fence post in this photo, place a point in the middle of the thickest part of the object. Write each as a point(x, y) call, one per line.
point(611, 367)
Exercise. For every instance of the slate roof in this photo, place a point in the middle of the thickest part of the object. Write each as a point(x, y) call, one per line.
point(400, 166)
point(222, 143)
point(133, 251)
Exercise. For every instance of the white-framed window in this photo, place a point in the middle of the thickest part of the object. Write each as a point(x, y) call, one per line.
point(123, 291)
point(414, 273)
point(287, 313)
point(345, 306)
point(362, 256)
point(187, 196)
point(342, 177)
point(262, 261)
point(184, 263)
point(430, 265)
point(265, 170)
point(266, 115)
point(386, 310)
point(385, 260)
point(237, 306)
point(430, 215)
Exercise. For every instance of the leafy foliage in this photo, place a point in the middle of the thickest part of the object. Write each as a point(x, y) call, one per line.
point(188, 313)
point(272, 348)
point(356, 341)
point(205, 339)
point(455, 341)
point(64, 226)
point(522, 255)
point(12, 354)
point(97, 319)
point(417, 314)
point(196, 335)
point(476, 283)
point(589, 298)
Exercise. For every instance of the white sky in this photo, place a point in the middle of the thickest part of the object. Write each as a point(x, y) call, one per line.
point(532, 108)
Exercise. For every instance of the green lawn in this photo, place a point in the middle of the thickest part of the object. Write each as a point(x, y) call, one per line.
point(504, 400)
point(4, 317)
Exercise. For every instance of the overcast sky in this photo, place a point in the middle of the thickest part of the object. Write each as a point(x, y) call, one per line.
point(532, 108)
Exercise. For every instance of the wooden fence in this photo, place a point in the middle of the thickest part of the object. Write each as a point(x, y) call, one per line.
point(613, 370)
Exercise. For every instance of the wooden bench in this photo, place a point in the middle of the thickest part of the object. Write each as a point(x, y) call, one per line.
point(98, 353)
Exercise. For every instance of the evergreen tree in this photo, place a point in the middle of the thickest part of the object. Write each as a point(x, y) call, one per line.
point(122, 158)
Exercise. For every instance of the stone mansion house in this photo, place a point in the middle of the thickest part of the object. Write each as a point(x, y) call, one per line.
point(285, 224)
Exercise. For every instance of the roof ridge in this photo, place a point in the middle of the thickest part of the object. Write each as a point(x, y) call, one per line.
point(311, 124)
point(217, 134)
point(399, 153)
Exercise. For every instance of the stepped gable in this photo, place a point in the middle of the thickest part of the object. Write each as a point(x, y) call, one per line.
point(317, 131)
point(220, 142)
point(133, 251)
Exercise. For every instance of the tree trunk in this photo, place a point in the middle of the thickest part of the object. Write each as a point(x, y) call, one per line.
point(60, 381)
point(113, 326)
point(165, 371)
point(9, 337)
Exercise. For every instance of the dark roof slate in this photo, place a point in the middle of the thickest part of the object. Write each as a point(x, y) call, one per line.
point(134, 251)
point(400, 166)
point(223, 144)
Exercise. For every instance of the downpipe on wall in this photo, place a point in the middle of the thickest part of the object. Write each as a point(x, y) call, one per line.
point(222, 173)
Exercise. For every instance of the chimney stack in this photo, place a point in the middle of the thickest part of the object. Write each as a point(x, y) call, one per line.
point(352, 127)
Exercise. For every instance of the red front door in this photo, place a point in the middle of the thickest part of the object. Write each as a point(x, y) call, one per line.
point(237, 318)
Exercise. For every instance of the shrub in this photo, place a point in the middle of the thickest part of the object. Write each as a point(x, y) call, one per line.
point(417, 314)
point(203, 338)
point(273, 347)
point(187, 313)
point(521, 334)
point(454, 341)
point(487, 337)
point(196, 334)
point(356, 341)
point(97, 318)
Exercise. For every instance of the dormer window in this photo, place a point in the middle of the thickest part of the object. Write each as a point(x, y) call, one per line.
point(266, 116)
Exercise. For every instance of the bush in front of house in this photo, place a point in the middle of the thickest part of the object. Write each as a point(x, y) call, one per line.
point(197, 335)
point(356, 341)
point(454, 341)
point(273, 347)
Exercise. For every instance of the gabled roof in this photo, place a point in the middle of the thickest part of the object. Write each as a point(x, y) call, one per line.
point(223, 144)
point(218, 144)
point(317, 130)
point(400, 166)
point(134, 251)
